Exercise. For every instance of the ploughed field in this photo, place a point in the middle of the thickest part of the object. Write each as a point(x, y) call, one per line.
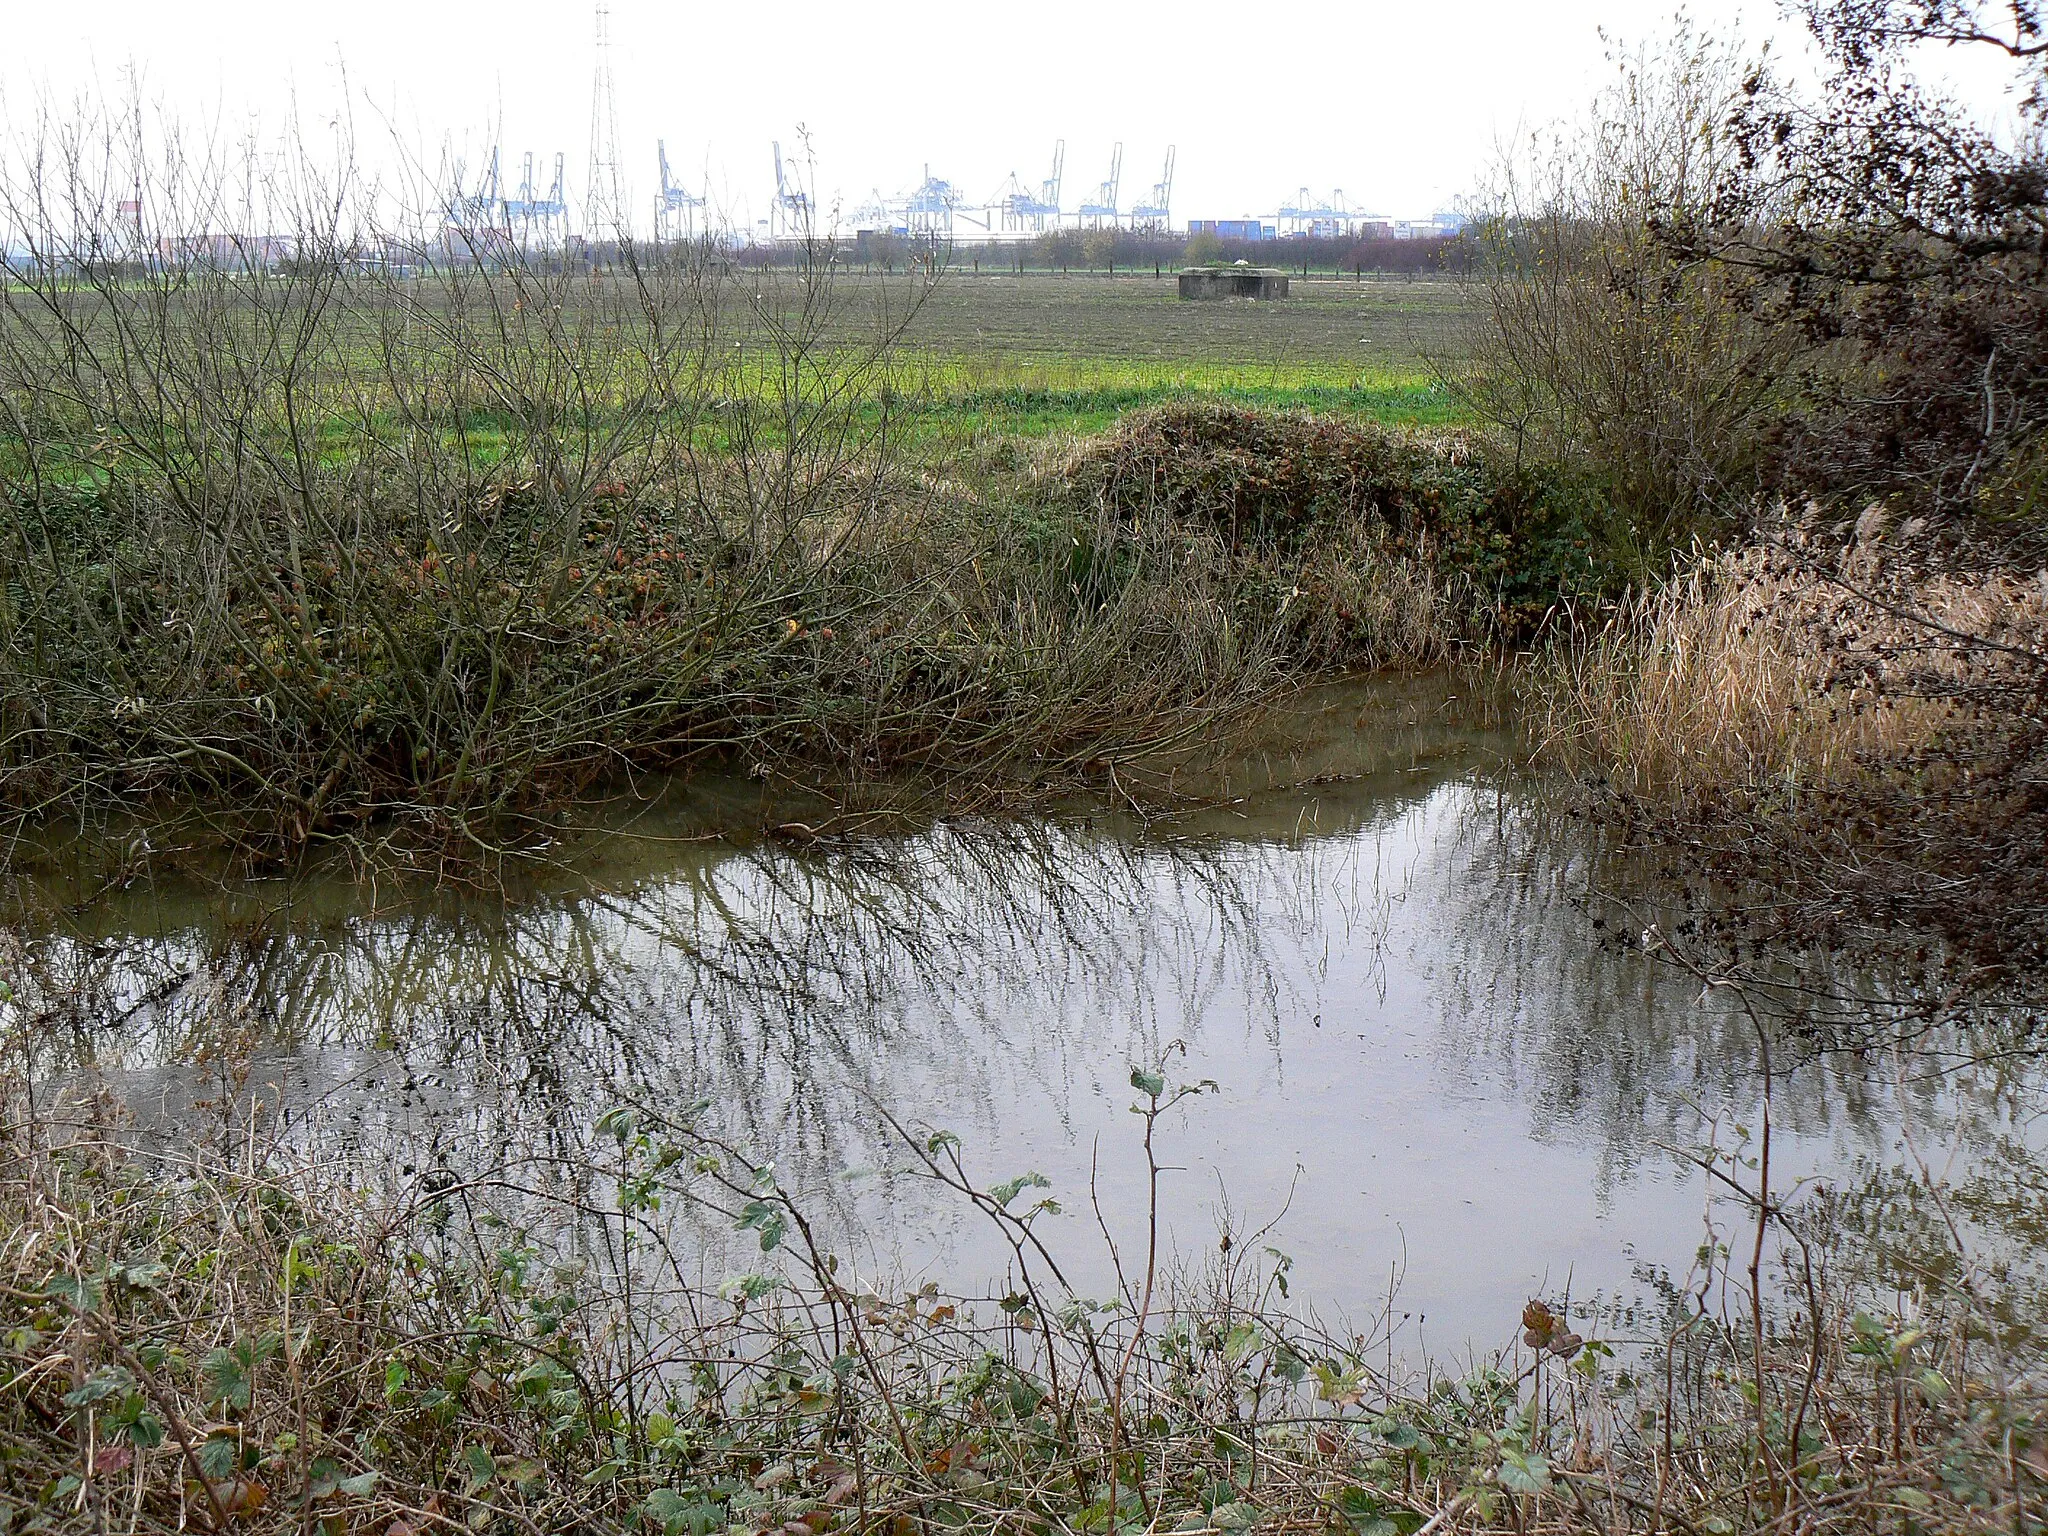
point(1328, 329)
point(1045, 352)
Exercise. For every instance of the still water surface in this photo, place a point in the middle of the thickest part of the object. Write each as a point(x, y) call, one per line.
point(1434, 1071)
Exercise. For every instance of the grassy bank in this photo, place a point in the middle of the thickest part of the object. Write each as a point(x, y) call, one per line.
point(252, 1338)
point(414, 566)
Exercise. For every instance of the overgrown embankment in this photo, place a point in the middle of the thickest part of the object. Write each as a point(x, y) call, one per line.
point(395, 649)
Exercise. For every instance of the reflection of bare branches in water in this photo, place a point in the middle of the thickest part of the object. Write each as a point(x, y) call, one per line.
point(788, 990)
point(1548, 985)
point(979, 976)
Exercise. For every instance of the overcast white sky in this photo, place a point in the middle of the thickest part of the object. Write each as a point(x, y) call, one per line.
point(1398, 104)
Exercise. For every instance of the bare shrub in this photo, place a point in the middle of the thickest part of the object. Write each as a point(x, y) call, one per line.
point(1594, 343)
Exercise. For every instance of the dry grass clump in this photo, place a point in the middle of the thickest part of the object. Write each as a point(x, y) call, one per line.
point(1401, 542)
point(1261, 476)
point(1758, 668)
point(1864, 730)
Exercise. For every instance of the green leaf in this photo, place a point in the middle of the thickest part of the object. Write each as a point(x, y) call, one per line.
point(1234, 1516)
point(1523, 1472)
point(219, 1456)
point(78, 1292)
point(1151, 1084)
point(1399, 1434)
point(481, 1468)
point(1004, 1193)
point(360, 1486)
point(765, 1219)
point(146, 1276)
point(108, 1381)
point(1240, 1342)
point(745, 1288)
point(225, 1378)
point(1288, 1366)
point(134, 1422)
point(1367, 1515)
point(684, 1514)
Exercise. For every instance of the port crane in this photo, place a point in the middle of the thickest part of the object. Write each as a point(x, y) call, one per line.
point(675, 209)
point(534, 216)
point(790, 216)
point(1104, 204)
point(1023, 209)
point(481, 212)
point(1158, 213)
point(1307, 215)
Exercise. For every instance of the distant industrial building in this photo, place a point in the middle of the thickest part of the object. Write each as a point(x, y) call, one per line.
point(1233, 229)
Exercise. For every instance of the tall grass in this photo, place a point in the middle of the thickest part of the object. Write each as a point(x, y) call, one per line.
point(1854, 736)
point(1771, 670)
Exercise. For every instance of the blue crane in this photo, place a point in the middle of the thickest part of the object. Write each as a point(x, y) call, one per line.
point(1023, 209)
point(534, 216)
point(1104, 204)
point(1158, 213)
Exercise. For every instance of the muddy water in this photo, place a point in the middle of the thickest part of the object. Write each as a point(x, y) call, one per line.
point(1445, 1068)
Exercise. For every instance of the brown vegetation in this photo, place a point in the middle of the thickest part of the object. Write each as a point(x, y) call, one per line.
point(1863, 729)
point(239, 1339)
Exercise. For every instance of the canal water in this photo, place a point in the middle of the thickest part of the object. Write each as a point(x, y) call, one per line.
point(1449, 1073)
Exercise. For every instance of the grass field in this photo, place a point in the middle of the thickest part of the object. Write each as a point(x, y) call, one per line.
point(999, 354)
point(1044, 352)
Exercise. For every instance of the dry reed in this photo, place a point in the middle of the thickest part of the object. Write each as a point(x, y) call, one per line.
point(1763, 669)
